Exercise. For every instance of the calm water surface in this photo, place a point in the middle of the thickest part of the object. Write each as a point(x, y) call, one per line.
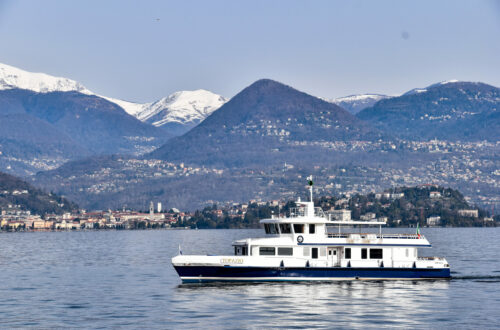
point(125, 279)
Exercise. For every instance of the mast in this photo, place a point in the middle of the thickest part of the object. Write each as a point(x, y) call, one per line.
point(310, 181)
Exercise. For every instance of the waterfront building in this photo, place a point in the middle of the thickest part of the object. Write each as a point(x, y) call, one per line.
point(469, 213)
point(433, 221)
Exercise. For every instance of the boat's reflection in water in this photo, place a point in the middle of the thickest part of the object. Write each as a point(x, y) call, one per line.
point(328, 304)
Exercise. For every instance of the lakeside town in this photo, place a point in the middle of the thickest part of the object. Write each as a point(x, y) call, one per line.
point(13, 218)
point(467, 166)
point(427, 205)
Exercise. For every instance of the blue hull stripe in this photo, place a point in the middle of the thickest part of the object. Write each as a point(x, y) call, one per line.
point(215, 273)
point(367, 244)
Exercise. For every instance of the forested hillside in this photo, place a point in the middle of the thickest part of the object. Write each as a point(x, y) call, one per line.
point(16, 192)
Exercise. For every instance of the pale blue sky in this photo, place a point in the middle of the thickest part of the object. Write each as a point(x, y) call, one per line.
point(144, 50)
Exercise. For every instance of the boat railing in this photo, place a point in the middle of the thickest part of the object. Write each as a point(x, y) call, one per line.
point(318, 212)
point(373, 235)
point(297, 212)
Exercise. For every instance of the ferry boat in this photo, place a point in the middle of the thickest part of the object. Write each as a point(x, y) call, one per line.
point(301, 248)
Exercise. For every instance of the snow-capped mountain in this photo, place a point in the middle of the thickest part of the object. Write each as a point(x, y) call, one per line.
point(356, 103)
point(178, 112)
point(12, 77)
point(182, 110)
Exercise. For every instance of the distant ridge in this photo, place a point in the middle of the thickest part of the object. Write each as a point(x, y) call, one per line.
point(450, 110)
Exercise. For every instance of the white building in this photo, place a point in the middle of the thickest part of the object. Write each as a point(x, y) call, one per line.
point(368, 216)
point(341, 215)
point(397, 195)
point(383, 219)
point(434, 194)
point(433, 221)
point(469, 213)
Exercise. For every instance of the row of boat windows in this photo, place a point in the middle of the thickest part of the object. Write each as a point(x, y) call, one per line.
point(313, 252)
point(366, 253)
point(271, 251)
point(286, 228)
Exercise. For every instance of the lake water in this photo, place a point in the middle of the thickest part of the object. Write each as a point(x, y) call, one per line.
point(115, 279)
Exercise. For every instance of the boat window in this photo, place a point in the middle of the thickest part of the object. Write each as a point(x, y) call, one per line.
point(285, 251)
point(306, 252)
point(266, 228)
point(312, 228)
point(375, 253)
point(298, 228)
point(244, 250)
point(267, 251)
point(236, 249)
point(314, 252)
point(364, 253)
point(347, 253)
point(285, 228)
point(272, 229)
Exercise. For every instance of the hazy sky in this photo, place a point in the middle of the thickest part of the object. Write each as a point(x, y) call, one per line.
point(144, 50)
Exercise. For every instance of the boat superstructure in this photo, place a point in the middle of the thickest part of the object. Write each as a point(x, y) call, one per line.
point(301, 247)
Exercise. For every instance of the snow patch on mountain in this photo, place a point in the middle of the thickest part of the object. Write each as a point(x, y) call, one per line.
point(356, 103)
point(360, 98)
point(423, 90)
point(131, 108)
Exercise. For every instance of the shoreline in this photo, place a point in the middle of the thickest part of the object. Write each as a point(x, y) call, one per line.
point(188, 228)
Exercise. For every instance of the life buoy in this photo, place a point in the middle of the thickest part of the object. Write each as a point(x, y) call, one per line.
point(300, 239)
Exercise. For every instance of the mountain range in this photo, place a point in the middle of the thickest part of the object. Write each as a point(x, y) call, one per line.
point(177, 112)
point(46, 121)
point(178, 148)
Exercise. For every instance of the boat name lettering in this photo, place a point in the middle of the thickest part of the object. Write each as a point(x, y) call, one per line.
point(231, 261)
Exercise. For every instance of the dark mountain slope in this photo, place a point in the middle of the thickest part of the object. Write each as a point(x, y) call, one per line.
point(24, 134)
point(59, 126)
point(97, 124)
point(265, 123)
